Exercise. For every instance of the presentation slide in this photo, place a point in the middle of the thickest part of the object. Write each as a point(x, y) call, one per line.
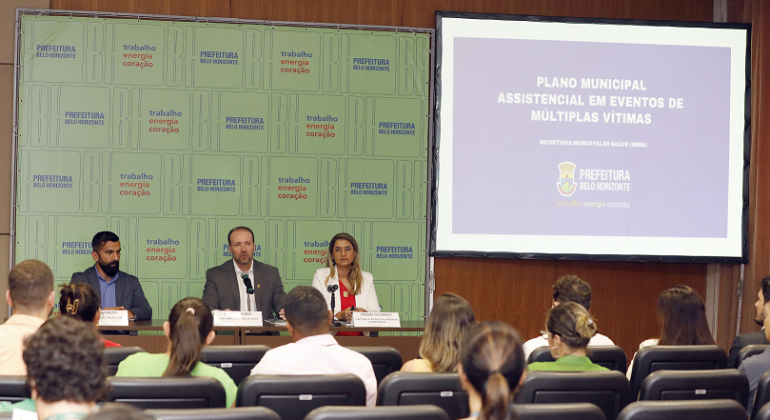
point(593, 139)
point(171, 133)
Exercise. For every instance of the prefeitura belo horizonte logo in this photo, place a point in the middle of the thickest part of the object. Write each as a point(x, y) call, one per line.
point(566, 184)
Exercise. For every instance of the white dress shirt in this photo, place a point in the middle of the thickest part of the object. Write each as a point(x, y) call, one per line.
point(319, 355)
point(646, 343)
point(247, 303)
point(542, 341)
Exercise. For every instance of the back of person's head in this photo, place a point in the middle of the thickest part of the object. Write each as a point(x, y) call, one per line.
point(449, 321)
point(65, 361)
point(305, 308)
point(493, 362)
point(764, 284)
point(190, 322)
point(572, 288)
point(118, 411)
point(79, 301)
point(102, 238)
point(683, 318)
point(572, 323)
point(30, 282)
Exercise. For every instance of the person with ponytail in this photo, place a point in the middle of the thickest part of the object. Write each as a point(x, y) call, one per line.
point(491, 369)
point(81, 302)
point(188, 329)
point(570, 328)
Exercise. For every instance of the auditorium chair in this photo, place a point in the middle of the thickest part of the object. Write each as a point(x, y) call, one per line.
point(237, 361)
point(609, 391)
point(611, 357)
point(413, 388)
point(762, 414)
point(115, 355)
point(684, 410)
point(13, 388)
point(293, 396)
point(748, 351)
point(762, 394)
point(711, 384)
point(655, 358)
point(416, 412)
point(385, 360)
point(150, 393)
point(238, 413)
point(563, 411)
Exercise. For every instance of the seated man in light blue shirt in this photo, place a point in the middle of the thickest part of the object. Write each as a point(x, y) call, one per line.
point(117, 289)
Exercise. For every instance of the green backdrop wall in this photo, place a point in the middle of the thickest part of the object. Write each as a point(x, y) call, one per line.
point(172, 132)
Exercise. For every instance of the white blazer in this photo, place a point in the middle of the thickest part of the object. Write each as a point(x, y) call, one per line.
point(366, 299)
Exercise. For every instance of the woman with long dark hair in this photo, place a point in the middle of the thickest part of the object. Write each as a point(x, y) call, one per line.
point(492, 367)
point(682, 318)
point(188, 330)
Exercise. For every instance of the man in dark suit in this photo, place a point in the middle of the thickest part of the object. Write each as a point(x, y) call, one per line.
point(116, 289)
point(756, 337)
point(226, 286)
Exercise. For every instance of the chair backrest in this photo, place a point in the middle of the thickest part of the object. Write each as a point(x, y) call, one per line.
point(748, 351)
point(411, 388)
point(562, 411)
point(238, 413)
point(293, 396)
point(609, 391)
point(13, 388)
point(684, 410)
point(115, 355)
point(611, 357)
point(188, 392)
point(730, 384)
point(236, 361)
point(655, 358)
point(762, 396)
point(385, 360)
point(417, 412)
point(762, 414)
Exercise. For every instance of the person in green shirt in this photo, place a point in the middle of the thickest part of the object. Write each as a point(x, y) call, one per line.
point(188, 329)
point(570, 328)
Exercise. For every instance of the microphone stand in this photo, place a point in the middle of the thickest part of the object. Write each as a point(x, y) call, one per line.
point(334, 323)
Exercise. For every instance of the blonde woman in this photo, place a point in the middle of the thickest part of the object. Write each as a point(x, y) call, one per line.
point(449, 321)
point(352, 288)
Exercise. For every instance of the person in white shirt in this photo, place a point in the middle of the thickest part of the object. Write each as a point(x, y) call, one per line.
point(569, 288)
point(314, 351)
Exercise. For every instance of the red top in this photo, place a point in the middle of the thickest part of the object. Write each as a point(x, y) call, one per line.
point(108, 343)
point(347, 300)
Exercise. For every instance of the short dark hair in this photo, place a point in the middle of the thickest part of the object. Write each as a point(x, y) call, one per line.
point(65, 361)
point(239, 228)
point(29, 283)
point(572, 288)
point(306, 309)
point(102, 238)
point(765, 284)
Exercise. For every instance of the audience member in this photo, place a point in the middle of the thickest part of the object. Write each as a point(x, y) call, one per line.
point(492, 367)
point(754, 337)
point(756, 366)
point(30, 294)
point(188, 329)
point(314, 350)
point(570, 288)
point(81, 302)
point(66, 370)
point(449, 321)
point(118, 411)
point(570, 328)
point(682, 318)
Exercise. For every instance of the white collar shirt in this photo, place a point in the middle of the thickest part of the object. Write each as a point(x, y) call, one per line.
point(319, 355)
point(248, 303)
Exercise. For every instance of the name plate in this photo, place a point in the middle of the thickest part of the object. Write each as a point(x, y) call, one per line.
point(376, 319)
point(113, 318)
point(237, 319)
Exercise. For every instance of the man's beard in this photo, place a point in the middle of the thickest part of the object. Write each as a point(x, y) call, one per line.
point(110, 269)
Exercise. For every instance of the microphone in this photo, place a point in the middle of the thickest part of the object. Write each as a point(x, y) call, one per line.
point(247, 283)
point(331, 289)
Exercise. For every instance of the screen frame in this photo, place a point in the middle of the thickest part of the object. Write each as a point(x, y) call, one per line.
point(435, 145)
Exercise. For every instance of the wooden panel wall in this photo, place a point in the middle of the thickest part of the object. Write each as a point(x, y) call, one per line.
point(519, 292)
